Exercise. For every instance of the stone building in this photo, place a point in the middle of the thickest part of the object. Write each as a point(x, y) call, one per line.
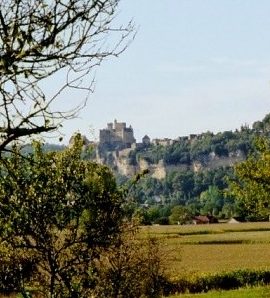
point(116, 136)
point(146, 140)
point(163, 142)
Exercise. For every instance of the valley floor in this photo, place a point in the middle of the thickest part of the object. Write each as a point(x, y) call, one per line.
point(257, 292)
point(213, 248)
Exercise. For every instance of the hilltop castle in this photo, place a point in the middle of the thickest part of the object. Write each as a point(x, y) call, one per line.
point(116, 136)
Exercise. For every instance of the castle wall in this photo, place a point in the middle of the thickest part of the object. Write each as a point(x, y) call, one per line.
point(119, 126)
point(128, 136)
point(117, 135)
point(104, 136)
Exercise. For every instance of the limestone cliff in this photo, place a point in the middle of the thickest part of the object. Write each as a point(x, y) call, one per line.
point(119, 161)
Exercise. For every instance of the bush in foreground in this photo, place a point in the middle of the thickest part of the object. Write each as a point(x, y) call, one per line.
point(220, 281)
point(63, 233)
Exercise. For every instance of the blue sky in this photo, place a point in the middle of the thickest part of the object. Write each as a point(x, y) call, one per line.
point(195, 65)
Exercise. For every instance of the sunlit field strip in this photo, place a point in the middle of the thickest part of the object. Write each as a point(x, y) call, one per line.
point(223, 238)
point(165, 231)
point(213, 248)
point(216, 258)
point(258, 292)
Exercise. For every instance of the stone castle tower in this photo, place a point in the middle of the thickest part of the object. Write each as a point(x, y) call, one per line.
point(116, 136)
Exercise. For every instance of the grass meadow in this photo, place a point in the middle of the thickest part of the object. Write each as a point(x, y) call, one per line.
point(204, 249)
point(258, 292)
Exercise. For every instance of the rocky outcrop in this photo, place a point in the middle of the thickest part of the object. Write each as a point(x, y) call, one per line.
point(119, 161)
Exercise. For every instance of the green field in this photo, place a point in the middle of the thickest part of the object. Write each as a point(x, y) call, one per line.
point(198, 249)
point(193, 252)
point(259, 292)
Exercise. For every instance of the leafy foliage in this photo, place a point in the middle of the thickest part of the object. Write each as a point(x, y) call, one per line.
point(180, 215)
point(133, 268)
point(222, 281)
point(184, 151)
point(61, 210)
point(199, 193)
point(251, 185)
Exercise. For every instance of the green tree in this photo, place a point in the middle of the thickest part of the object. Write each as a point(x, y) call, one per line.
point(153, 213)
point(135, 268)
point(251, 183)
point(211, 201)
point(61, 211)
point(180, 215)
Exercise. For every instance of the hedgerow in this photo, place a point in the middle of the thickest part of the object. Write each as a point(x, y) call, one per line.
point(220, 281)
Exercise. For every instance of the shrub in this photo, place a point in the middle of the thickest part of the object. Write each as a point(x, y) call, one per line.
point(162, 221)
point(14, 269)
point(132, 269)
point(221, 281)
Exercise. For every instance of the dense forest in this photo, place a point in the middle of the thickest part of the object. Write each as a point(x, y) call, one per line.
point(200, 192)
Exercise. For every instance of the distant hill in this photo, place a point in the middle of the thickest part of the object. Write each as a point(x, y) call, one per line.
point(191, 171)
point(195, 152)
point(46, 147)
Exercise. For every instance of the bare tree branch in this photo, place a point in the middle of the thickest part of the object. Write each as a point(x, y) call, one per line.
point(40, 38)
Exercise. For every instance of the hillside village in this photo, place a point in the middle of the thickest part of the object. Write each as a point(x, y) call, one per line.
point(118, 148)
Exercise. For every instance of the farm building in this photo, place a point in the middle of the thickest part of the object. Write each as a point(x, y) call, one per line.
point(233, 220)
point(204, 219)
